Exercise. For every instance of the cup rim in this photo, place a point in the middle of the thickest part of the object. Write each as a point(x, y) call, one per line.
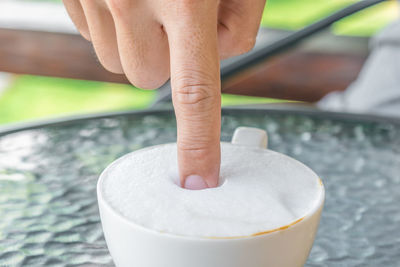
point(102, 201)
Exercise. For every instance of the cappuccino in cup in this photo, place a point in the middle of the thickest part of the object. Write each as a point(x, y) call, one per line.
point(265, 211)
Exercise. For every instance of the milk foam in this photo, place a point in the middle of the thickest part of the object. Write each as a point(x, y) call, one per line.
point(261, 190)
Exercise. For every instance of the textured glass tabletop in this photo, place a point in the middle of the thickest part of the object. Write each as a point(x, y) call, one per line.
point(48, 175)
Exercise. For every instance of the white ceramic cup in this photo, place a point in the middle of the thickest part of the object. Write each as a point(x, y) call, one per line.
point(132, 245)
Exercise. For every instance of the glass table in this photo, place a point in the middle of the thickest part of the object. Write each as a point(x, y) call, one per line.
point(48, 175)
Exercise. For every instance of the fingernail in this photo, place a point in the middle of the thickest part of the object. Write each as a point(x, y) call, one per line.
point(195, 182)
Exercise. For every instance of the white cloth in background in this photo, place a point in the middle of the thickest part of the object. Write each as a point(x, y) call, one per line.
point(5, 79)
point(35, 15)
point(377, 89)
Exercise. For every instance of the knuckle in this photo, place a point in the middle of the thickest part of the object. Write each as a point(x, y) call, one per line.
point(157, 83)
point(197, 149)
point(146, 83)
point(196, 94)
point(112, 67)
point(118, 6)
point(188, 8)
point(85, 33)
point(109, 60)
point(146, 76)
point(142, 84)
point(244, 44)
point(238, 42)
point(189, 4)
point(110, 64)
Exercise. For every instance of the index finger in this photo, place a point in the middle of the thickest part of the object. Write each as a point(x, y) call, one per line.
point(192, 34)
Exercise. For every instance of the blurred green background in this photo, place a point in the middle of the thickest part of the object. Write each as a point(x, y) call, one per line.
point(32, 97)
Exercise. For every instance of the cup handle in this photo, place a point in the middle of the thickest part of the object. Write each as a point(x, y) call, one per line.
point(251, 137)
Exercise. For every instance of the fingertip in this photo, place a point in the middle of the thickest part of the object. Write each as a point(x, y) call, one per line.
point(195, 182)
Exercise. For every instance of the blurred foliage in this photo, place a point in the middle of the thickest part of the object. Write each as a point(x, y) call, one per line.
point(295, 14)
point(369, 21)
point(33, 97)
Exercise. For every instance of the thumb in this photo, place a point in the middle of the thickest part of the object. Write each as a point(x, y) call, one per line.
point(196, 95)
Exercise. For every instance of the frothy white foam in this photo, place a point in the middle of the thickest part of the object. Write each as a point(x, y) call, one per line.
point(261, 190)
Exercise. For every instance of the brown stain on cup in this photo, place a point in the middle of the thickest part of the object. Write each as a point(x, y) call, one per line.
point(266, 232)
point(259, 233)
point(278, 229)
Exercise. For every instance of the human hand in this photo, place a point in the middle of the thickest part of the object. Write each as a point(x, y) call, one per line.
point(152, 40)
